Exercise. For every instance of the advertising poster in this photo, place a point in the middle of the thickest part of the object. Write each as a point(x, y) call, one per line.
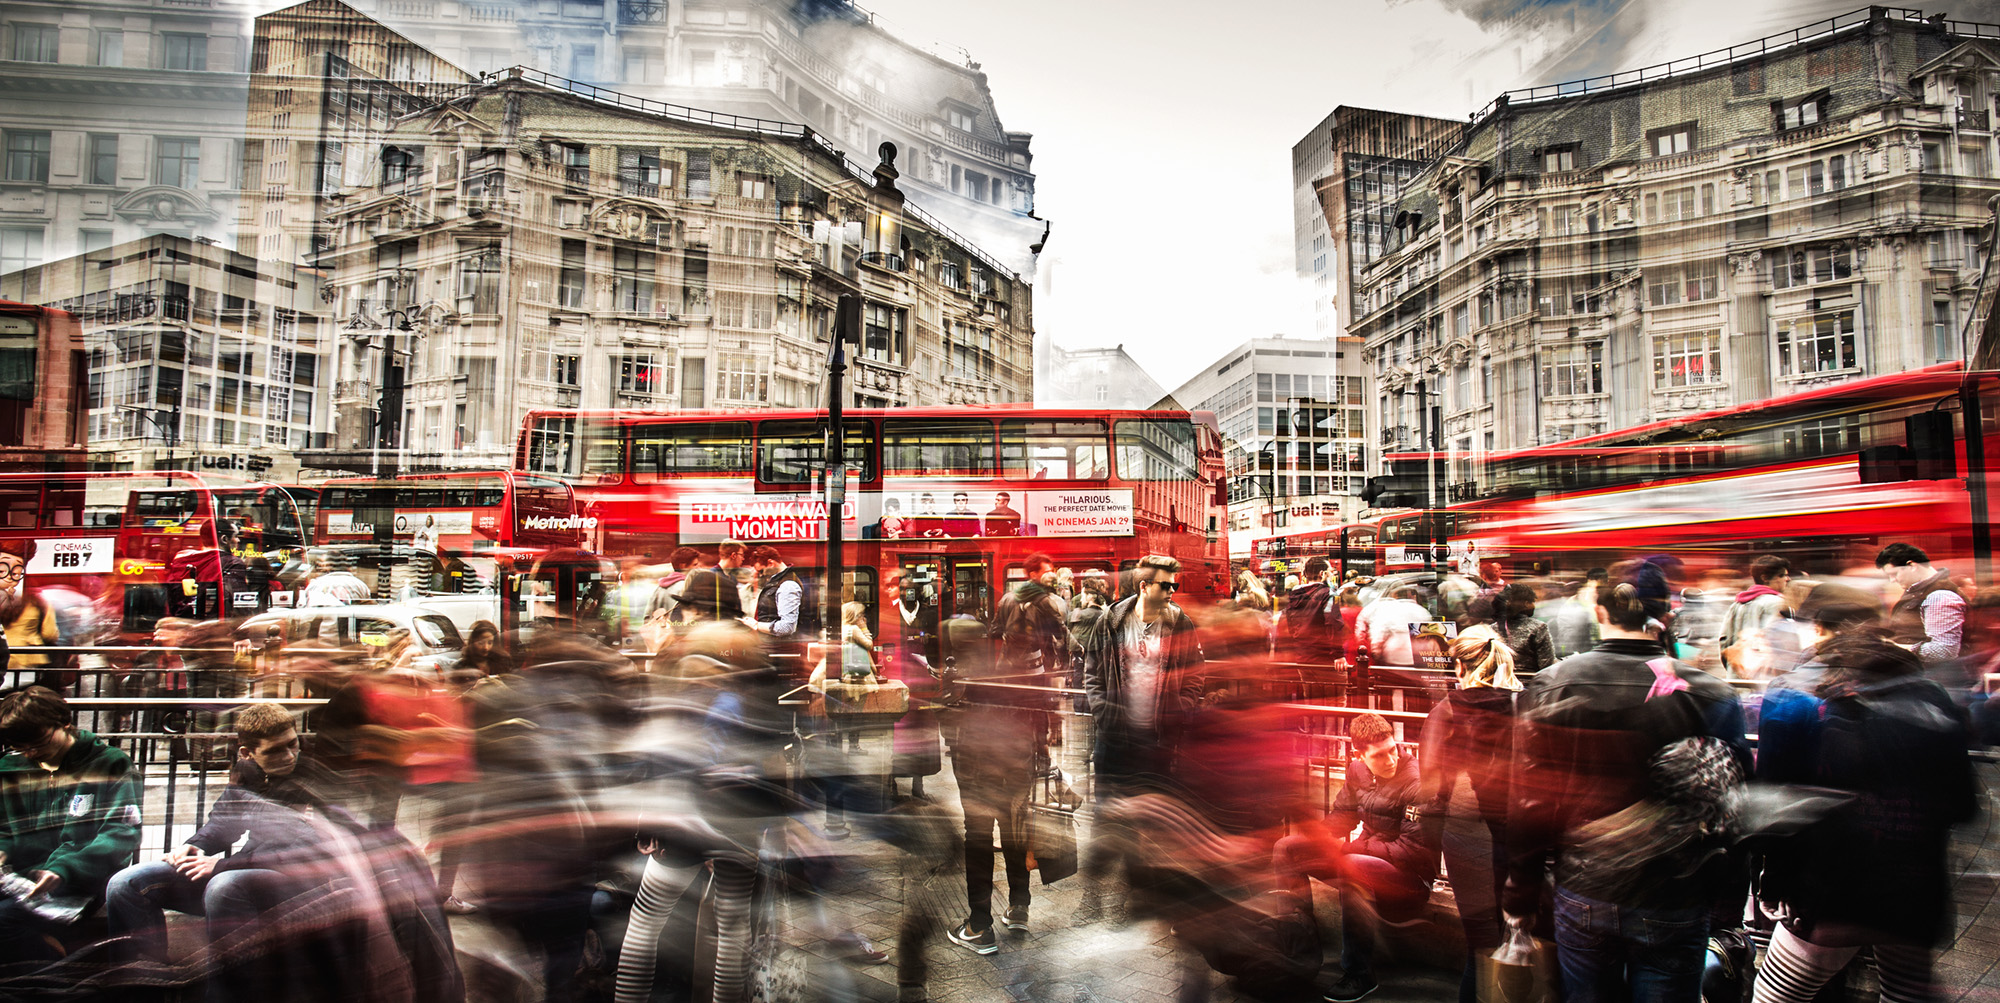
point(912, 510)
point(86, 556)
point(1430, 644)
point(762, 518)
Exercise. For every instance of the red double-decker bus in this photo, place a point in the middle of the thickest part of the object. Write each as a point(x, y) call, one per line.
point(131, 541)
point(955, 496)
point(458, 510)
point(1801, 476)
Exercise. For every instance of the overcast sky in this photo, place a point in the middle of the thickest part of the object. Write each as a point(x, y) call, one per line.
point(1164, 129)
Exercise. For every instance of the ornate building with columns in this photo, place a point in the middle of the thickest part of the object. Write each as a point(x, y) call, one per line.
point(1750, 223)
point(519, 243)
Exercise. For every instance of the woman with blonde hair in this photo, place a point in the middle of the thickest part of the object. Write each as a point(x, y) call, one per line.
point(1468, 745)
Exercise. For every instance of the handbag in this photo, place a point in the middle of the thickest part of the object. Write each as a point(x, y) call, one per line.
point(1051, 810)
point(1521, 970)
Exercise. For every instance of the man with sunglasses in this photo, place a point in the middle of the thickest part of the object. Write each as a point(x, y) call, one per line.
point(1141, 677)
point(69, 813)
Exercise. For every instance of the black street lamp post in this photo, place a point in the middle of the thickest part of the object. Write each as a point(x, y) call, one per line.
point(167, 421)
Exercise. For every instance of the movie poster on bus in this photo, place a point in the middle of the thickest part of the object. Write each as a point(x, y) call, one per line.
point(934, 510)
point(1084, 512)
point(763, 518)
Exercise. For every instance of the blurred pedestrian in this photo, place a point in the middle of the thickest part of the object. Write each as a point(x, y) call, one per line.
point(1528, 639)
point(1929, 617)
point(1311, 630)
point(1592, 726)
point(1468, 744)
point(1745, 648)
point(1574, 629)
point(1384, 626)
point(1142, 677)
point(1383, 872)
point(1862, 719)
point(999, 740)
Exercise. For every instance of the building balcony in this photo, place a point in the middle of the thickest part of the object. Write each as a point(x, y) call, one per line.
point(642, 12)
point(1975, 118)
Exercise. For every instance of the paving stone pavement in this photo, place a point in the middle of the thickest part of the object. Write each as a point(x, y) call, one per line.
point(1057, 961)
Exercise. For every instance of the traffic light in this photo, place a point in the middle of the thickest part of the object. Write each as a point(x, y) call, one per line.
point(1395, 491)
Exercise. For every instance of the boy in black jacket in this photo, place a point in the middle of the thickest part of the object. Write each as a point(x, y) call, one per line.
point(266, 798)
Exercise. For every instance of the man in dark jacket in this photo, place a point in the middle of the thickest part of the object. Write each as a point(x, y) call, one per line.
point(997, 737)
point(69, 813)
point(1929, 617)
point(1142, 678)
point(1310, 629)
point(1592, 725)
point(264, 799)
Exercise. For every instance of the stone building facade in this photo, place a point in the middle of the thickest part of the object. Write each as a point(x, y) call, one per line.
point(198, 357)
point(525, 245)
point(118, 119)
point(824, 64)
point(1598, 255)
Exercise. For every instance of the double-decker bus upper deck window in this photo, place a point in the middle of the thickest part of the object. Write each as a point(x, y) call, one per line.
point(791, 452)
point(603, 449)
point(954, 446)
point(1156, 449)
point(552, 445)
point(669, 450)
point(19, 504)
point(1054, 450)
point(163, 507)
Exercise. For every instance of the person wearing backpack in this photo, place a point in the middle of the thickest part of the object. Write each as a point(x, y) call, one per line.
point(998, 737)
point(1311, 629)
point(1860, 717)
point(1583, 756)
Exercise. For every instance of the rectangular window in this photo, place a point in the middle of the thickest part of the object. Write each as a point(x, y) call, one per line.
point(642, 173)
point(1933, 162)
point(742, 377)
point(644, 66)
point(1798, 114)
point(177, 162)
point(36, 43)
point(103, 160)
point(1663, 286)
point(1703, 281)
point(698, 174)
point(1573, 370)
point(184, 52)
point(1563, 159)
point(1671, 140)
point(690, 449)
point(1944, 332)
point(573, 278)
point(1836, 173)
point(583, 62)
point(634, 274)
point(1804, 266)
point(640, 374)
point(1563, 220)
point(20, 247)
point(792, 452)
point(1683, 360)
point(1676, 204)
point(1155, 449)
point(753, 186)
point(110, 48)
point(1823, 343)
point(947, 446)
point(479, 281)
point(884, 334)
point(1053, 450)
point(27, 156)
point(1972, 160)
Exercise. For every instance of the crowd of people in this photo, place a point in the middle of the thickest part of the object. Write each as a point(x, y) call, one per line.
point(1576, 763)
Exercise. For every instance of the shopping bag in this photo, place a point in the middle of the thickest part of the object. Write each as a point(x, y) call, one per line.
point(1521, 970)
point(1051, 823)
